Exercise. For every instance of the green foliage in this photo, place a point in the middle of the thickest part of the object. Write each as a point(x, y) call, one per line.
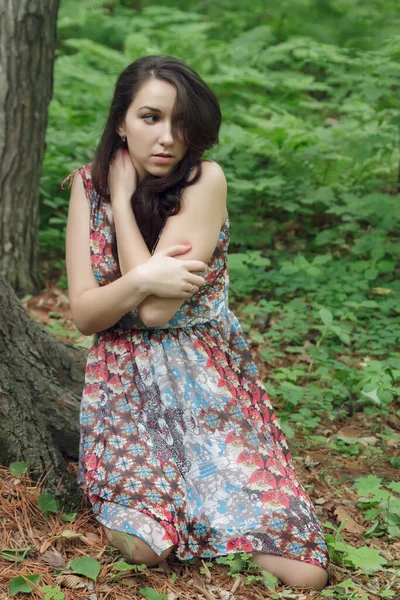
point(241, 562)
point(15, 555)
point(310, 126)
point(23, 583)
point(53, 593)
point(365, 558)
point(309, 146)
point(69, 517)
point(381, 506)
point(47, 503)
point(152, 594)
point(18, 468)
point(123, 566)
point(87, 566)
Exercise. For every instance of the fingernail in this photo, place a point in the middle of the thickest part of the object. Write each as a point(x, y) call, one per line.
point(188, 245)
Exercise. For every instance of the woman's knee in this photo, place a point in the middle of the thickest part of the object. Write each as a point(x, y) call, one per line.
point(292, 572)
point(311, 576)
point(134, 548)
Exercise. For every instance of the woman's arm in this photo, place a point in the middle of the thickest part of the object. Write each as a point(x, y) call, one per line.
point(199, 221)
point(122, 182)
point(95, 308)
point(132, 249)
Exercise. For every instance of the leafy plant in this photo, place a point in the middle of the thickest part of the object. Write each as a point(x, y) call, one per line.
point(18, 468)
point(366, 558)
point(47, 503)
point(381, 506)
point(23, 583)
point(53, 593)
point(87, 566)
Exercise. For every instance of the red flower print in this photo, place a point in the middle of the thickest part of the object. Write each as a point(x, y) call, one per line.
point(288, 486)
point(97, 370)
point(210, 364)
point(276, 498)
point(220, 357)
point(232, 391)
point(92, 390)
point(115, 383)
point(253, 458)
point(99, 241)
point(239, 544)
point(170, 532)
point(268, 414)
point(92, 463)
point(101, 351)
point(167, 514)
point(263, 478)
point(234, 438)
point(276, 467)
point(97, 259)
point(255, 393)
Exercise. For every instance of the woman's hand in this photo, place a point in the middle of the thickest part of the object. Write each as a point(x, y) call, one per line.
point(122, 177)
point(169, 277)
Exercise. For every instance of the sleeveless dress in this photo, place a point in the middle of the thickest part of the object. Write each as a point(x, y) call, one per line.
point(180, 444)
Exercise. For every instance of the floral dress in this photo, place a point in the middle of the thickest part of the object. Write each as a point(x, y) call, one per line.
point(180, 444)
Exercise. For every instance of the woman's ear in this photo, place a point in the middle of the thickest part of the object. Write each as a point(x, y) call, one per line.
point(121, 130)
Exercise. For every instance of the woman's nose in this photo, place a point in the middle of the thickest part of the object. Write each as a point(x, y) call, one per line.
point(166, 135)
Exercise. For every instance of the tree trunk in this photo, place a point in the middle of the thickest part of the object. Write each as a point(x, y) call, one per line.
point(41, 382)
point(28, 31)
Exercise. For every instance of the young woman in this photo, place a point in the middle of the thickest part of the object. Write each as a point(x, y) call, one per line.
point(180, 447)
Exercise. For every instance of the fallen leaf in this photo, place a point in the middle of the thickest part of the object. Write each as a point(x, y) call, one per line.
point(94, 537)
point(350, 525)
point(46, 544)
point(395, 421)
point(348, 431)
point(392, 443)
point(129, 581)
point(380, 291)
point(70, 581)
point(368, 441)
point(53, 558)
point(70, 535)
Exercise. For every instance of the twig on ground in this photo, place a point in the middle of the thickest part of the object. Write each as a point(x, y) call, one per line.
point(208, 595)
point(237, 584)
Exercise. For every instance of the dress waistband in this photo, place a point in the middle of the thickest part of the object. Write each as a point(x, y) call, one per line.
point(132, 320)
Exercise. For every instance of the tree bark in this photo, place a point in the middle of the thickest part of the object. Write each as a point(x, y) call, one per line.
point(41, 383)
point(28, 30)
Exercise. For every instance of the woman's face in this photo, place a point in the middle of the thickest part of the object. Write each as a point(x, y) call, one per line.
point(147, 127)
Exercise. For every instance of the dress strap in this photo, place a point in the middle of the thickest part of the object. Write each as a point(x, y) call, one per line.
point(86, 175)
point(85, 178)
point(69, 177)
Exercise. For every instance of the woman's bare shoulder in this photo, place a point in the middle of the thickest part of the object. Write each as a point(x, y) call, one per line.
point(207, 167)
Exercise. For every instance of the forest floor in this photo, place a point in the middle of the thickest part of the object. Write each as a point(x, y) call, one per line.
point(327, 476)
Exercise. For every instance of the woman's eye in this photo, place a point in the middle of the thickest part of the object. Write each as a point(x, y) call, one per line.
point(150, 117)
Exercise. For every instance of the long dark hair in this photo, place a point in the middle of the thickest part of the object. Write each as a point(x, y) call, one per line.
point(196, 119)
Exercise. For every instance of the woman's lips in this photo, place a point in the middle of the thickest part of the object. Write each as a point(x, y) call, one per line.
point(163, 159)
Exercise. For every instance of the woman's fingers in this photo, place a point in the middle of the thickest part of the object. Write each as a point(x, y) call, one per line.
point(195, 280)
point(194, 265)
point(176, 249)
point(191, 265)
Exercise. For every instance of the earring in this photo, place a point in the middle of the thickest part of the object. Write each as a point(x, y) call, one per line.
point(123, 138)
